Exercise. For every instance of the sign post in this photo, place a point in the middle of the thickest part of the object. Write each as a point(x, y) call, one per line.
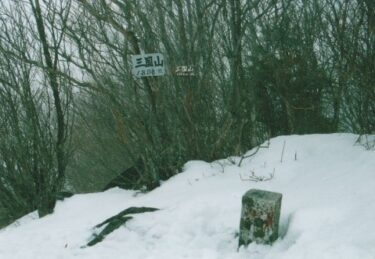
point(151, 64)
point(184, 71)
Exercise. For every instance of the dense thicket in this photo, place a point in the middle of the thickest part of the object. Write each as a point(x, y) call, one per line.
point(35, 107)
point(261, 69)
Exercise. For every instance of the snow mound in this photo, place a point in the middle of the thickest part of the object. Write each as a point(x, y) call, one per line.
point(328, 209)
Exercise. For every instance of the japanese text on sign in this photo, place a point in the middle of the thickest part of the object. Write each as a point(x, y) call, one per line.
point(148, 65)
point(184, 71)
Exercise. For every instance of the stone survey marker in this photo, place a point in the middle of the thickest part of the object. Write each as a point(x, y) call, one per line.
point(259, 217)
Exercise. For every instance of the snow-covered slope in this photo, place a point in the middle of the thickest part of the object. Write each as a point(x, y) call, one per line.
point(328, 209)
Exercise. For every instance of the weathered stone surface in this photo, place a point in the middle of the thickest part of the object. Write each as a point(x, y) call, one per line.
point(259, 217)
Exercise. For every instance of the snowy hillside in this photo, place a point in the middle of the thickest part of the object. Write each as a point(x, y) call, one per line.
point(328, 209)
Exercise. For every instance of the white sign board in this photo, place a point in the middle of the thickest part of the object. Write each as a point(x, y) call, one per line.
point(151, 64)
point(184, 71)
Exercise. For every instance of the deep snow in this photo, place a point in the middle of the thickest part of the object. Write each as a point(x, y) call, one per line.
point(328, 209)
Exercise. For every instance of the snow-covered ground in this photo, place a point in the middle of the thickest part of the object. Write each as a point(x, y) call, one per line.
point(328, 209)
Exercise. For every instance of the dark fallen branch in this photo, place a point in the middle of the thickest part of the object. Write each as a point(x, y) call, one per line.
point(115, 222)
point(131, 210)
point(112, 226)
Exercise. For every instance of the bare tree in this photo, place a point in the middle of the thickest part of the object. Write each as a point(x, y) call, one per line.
point(36, 122)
